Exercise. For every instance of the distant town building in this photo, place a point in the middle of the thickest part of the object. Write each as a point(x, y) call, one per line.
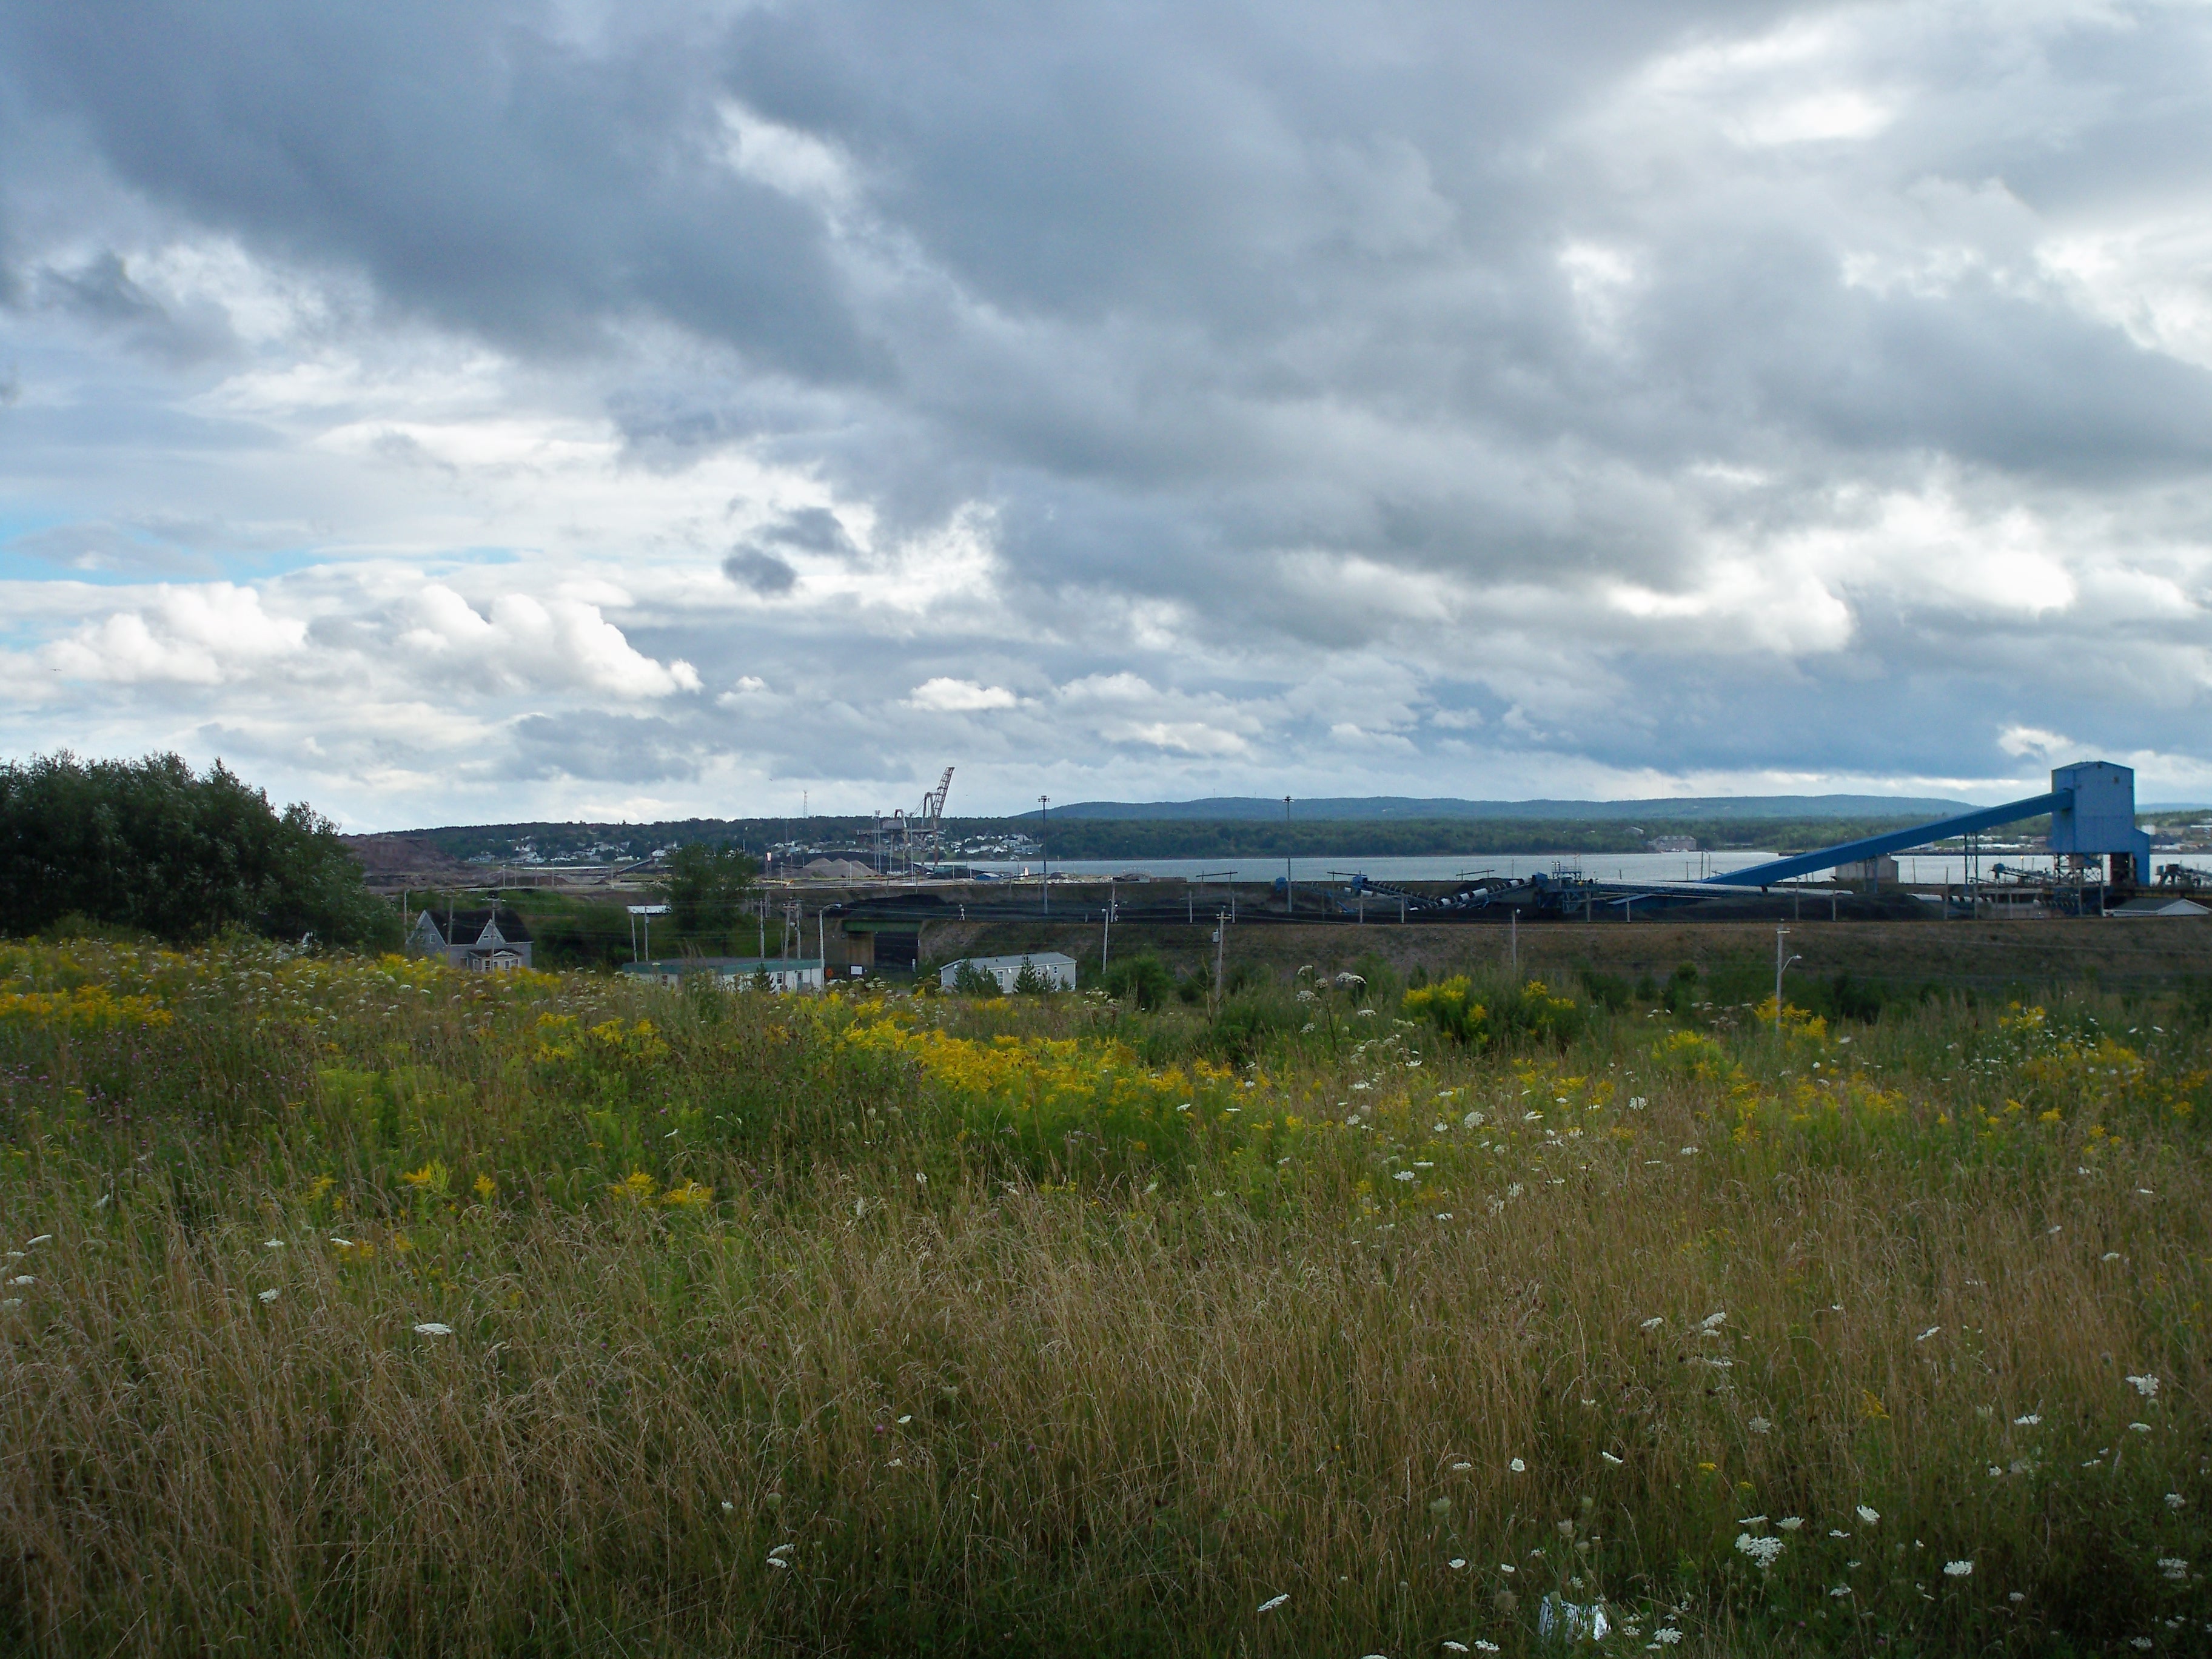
point(783, 974)
point(1671, 844)
point(485, 941)
point(1057, 971)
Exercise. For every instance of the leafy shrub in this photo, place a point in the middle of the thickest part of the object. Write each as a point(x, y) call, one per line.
point(1144, 977)
point(1610, 990)
point(1530, 1012)
point(1681, 987)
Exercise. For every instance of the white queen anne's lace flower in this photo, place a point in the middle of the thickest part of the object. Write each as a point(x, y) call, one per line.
point(1958, 1569)
point(2147, 1386)
point(1765, 1551)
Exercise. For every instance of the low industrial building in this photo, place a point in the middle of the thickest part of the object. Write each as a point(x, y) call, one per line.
point(1057, 970)
point(733, 973)
point(1881, 871)
point(2160, 904)
point(483, 941)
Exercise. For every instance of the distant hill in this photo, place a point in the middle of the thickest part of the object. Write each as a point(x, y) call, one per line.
point(1374, 827)
point(1376, 808)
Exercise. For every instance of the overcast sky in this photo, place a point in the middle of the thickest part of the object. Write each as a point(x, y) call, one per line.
point(451, 412)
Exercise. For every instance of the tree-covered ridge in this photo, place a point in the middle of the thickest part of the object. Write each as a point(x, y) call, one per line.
point(150, 846)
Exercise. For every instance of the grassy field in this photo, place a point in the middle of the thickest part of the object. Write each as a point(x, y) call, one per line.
point(1999, 959)
point(364, 1308)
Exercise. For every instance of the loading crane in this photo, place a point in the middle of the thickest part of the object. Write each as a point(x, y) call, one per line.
point(933, 814)
point(916, 836)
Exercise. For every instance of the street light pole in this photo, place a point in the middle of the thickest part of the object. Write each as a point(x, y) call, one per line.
point(1289, 891)
point(1781, 966)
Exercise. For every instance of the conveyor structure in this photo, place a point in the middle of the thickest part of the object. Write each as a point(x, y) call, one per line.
point(2092, 814)
point(2092, 806)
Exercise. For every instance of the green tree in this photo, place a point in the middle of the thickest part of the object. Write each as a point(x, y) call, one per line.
point(973, 982)
point(706, 889)
point(151, 846)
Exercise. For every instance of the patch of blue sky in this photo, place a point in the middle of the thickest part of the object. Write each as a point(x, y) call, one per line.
point(21, 521)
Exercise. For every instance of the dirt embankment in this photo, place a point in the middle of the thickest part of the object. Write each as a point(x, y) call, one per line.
point(391, 862)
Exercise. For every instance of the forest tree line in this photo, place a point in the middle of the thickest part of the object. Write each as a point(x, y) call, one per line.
point(151, 848)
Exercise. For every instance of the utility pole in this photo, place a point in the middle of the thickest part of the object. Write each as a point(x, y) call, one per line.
point(1044, 850)
point(1513, 941)
point(1220, 935)
point(1290, 890)
point(1106, 940)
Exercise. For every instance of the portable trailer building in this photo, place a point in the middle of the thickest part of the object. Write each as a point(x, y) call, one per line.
point(1058, 971)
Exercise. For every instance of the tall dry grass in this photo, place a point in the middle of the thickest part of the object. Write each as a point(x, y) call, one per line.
point(976, 1403)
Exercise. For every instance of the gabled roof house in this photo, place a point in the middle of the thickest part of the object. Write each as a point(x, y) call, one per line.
point(486, 941)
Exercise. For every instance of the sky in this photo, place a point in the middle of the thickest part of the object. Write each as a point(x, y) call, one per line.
point(457, 413)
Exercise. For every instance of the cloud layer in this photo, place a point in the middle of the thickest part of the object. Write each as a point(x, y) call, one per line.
point(451, 412)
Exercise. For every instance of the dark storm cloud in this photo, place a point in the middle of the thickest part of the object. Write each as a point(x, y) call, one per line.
point(760, 563)
point(101, 292)
point(809, 530)
point(612, 748)
point(763, 572)
point(480, 170)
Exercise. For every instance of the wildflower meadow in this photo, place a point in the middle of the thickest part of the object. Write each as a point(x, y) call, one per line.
point(356, 1306)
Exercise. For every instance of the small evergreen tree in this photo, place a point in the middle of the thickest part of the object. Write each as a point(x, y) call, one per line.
point(972, 982)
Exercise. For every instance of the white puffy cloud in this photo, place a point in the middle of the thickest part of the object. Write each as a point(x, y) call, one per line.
point(204, 635)
point(526, 641)
point(945, 696)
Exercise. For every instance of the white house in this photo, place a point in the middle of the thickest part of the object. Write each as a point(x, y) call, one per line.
point(733, 973)
point(1057, 971)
